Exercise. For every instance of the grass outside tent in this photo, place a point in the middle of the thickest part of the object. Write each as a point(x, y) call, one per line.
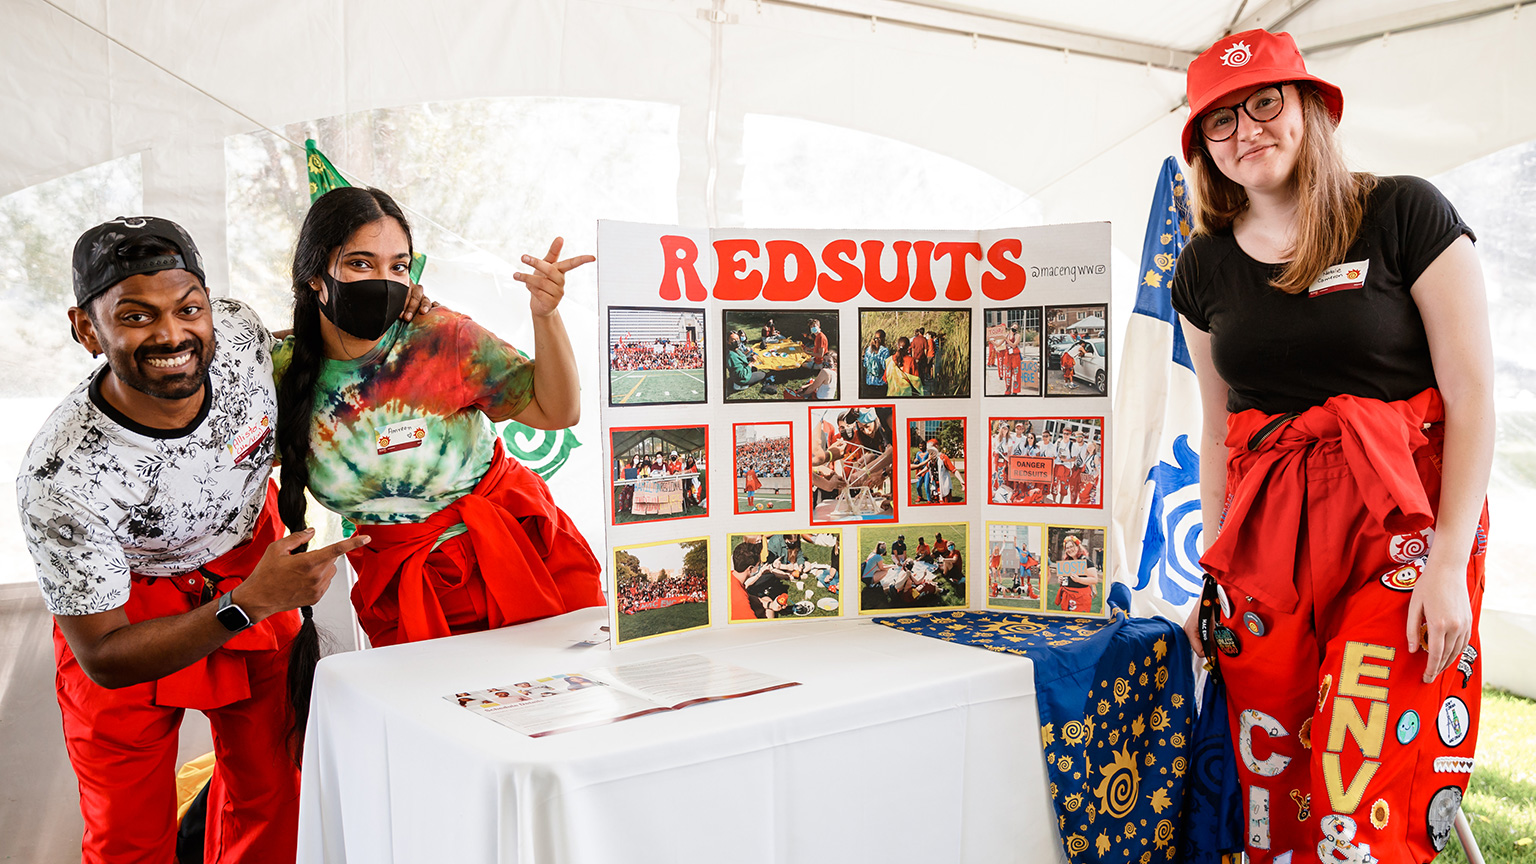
point(1501, 800)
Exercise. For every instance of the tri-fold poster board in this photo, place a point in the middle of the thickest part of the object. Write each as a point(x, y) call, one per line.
point(802, 424)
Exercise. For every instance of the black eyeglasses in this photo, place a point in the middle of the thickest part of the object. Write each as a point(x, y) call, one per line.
point(1261, 106)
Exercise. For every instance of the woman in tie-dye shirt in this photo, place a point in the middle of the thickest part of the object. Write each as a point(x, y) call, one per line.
point(389, 423)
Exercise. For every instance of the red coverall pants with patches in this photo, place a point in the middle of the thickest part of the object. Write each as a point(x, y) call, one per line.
point(1344, 753)
point(122, 742)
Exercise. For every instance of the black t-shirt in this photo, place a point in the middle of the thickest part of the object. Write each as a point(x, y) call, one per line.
point(1356, 331)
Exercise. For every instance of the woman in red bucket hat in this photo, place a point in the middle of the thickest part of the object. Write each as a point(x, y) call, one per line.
point(1340, 333)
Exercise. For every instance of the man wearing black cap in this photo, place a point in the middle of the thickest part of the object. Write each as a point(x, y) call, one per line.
point(147, 506)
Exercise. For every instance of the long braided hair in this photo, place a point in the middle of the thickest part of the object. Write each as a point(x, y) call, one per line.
point(333, 219)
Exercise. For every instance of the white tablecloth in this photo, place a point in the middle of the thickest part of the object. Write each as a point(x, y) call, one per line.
point(896, 748)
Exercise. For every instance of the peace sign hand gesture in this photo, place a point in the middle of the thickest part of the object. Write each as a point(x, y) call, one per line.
point(546, 284)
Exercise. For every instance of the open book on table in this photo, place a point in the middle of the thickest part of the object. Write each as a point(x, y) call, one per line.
point(574, 700)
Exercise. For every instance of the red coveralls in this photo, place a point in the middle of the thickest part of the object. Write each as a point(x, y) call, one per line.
point(522, 558)
point(1346, 754)
point(122, 742)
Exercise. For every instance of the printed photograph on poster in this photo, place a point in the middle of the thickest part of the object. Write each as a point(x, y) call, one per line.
point(1074, 559)
point(774, 356)
point(909, 353)
point(659, 473)
point(1077, 350)
point(660, 588)
point(1014, 553)
point(935, 461)
point(779, 576)
point(928, 573)
point(853, 464)
point(1046, 461)
point(1013, 352)
point(764, 454)
point(655, 356)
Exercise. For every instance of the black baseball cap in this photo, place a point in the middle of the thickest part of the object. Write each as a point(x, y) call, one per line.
point(98, 265)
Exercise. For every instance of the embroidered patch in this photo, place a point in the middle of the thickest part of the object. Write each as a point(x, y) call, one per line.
point(1322, 691)
point(1442, 815)
point(1380, 813)
point(1410, 551)
point(1237, 55)
point(1453, 722)
point(1453, 765)
point(1401, 579)
point(1258, 817)
point(1408, 726)
point(1303, 805)
point(1275, 762)
point(402, 436)
point(1412, 548)
point(1464, 664)
point(1304, 734)
point(1338, 843)
point(1340, 277)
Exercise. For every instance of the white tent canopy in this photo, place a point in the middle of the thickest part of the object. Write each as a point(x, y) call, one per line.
point(89, 81)
point(1050, 113)
point(1039, 111)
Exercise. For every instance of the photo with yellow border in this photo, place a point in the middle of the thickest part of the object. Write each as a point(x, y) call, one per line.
point(659, 588)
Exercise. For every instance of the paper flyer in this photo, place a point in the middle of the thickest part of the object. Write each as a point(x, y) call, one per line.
point(807, 424)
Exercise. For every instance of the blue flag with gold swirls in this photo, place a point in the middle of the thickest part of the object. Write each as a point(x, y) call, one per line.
point(1117, 717)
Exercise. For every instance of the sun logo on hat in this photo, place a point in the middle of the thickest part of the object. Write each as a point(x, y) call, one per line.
point(1238, 55)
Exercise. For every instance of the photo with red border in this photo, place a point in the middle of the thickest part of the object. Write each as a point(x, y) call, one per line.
point(935, 461)
point(1045, 461)
point(658, 473)
point(763, 473)
point(852, 467)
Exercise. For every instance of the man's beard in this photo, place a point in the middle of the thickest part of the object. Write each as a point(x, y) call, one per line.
point(129, 369)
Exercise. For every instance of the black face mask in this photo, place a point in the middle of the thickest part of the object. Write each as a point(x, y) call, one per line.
point(365, 308)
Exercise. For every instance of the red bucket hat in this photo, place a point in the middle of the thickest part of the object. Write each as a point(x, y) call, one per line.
point(1243, 60)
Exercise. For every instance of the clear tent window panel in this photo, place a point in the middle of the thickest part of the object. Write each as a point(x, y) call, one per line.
point(1496, 195)
point(38, 229)
point(804, 174)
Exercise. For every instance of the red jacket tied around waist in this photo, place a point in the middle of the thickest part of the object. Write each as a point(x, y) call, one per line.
point(1255, 551)
point(220, 678)
point(529, 555)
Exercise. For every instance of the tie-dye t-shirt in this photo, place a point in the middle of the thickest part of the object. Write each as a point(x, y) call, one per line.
point(402, 432)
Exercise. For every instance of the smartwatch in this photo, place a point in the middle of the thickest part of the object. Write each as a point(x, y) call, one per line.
point(231, 616)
